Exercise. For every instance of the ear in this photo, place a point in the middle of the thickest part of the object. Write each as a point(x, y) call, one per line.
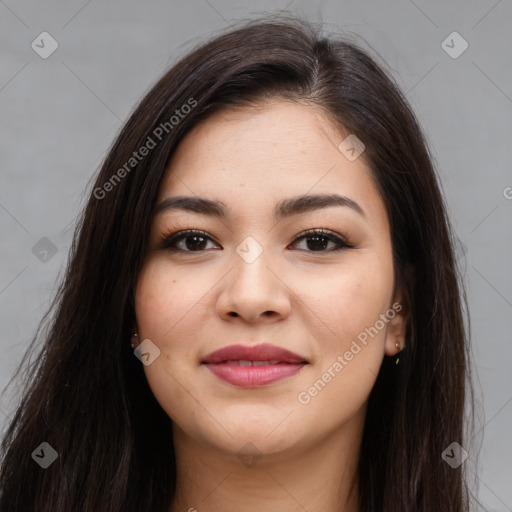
point(401, 305)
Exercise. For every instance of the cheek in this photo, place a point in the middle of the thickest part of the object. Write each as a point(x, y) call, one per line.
point(349, 301)
point(163, 299)
point(165, 307)
point(350, 353)
point(164, 302)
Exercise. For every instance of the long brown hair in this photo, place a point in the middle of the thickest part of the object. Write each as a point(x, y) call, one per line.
point(86, 394)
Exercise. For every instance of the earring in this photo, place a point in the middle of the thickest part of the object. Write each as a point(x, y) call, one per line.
point(397, 345)
point(134, 339)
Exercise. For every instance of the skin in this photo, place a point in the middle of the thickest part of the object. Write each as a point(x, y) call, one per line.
point(311, 301)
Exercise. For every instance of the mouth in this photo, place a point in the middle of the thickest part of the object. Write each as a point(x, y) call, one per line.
point(256, 366)
point(241, 362)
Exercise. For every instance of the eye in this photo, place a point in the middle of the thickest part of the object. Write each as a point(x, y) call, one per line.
point(320, 238)
point(193, 240)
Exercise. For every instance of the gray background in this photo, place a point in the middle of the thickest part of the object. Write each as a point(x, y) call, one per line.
point(60, 114)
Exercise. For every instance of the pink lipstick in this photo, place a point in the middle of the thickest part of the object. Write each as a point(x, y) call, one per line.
point(255, 366)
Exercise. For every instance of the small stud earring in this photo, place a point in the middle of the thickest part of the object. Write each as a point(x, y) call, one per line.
point(397, 345)
point(134, 337)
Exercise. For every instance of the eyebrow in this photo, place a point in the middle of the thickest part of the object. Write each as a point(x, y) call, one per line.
point(285, 208)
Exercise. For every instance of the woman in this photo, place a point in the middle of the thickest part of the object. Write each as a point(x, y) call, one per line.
point(311, 356)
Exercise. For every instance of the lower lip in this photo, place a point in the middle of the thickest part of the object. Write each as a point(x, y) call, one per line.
point(254, 376)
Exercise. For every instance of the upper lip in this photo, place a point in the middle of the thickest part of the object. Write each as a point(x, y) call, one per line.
point(262, 352)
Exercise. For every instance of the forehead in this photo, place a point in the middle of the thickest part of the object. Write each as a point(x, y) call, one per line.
point(277, 131)
point(249, 156)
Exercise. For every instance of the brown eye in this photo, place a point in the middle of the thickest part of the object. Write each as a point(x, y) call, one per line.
point(193, 241)
point(317, 240)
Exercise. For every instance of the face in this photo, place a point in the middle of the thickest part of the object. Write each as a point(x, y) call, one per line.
point(251, 277)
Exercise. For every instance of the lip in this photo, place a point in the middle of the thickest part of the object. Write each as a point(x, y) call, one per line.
point(282, 363)
point(261, 352)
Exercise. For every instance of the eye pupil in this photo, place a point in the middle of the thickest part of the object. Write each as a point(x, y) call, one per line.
point(316, 243)
point(195, 237)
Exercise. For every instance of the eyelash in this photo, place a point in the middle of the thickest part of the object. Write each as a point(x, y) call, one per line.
point(169, 242)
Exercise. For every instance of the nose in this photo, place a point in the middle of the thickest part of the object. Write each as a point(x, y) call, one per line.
point(254, 291)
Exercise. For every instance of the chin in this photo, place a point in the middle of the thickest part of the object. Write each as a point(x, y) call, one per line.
point(254, 444)
point(245, 430)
